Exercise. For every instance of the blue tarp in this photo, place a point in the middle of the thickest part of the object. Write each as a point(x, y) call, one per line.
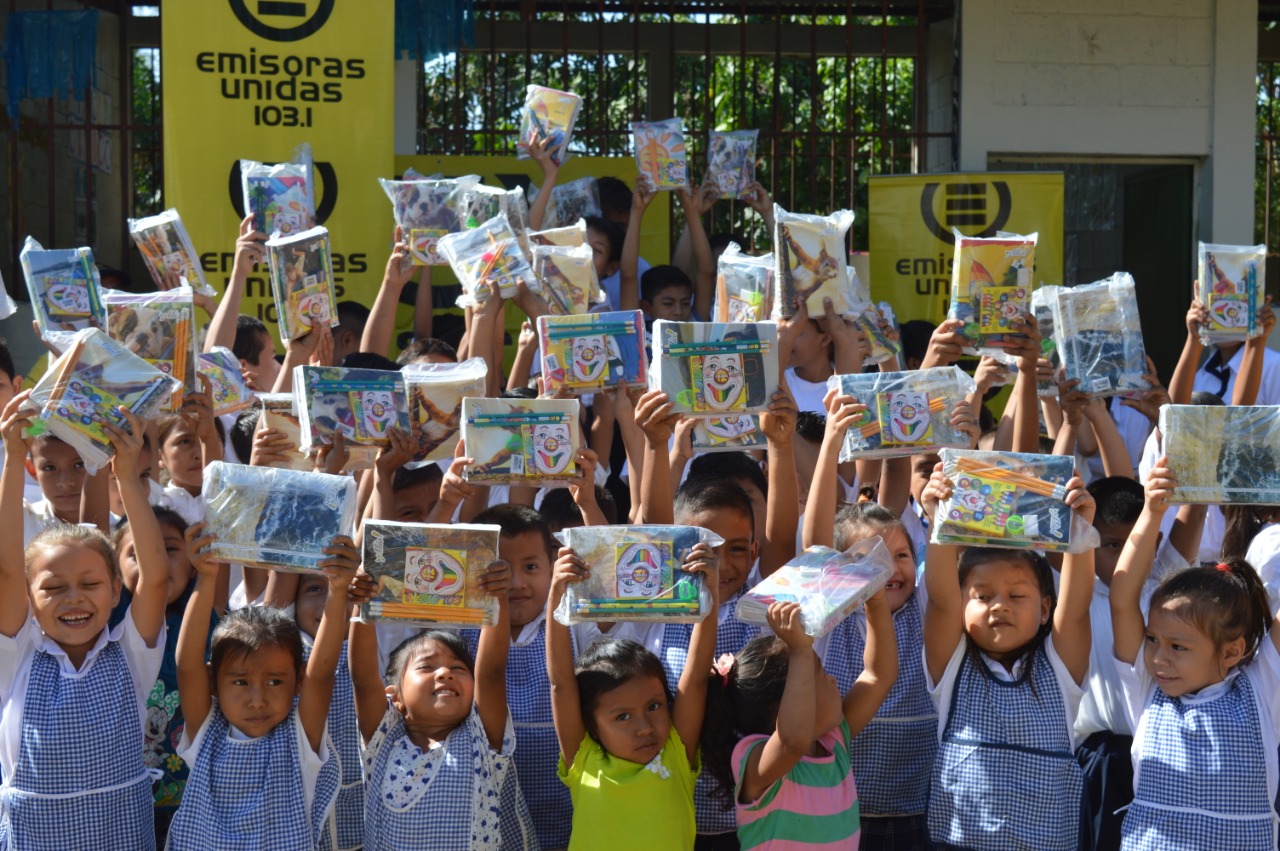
point(428, 29)
point(48, 54)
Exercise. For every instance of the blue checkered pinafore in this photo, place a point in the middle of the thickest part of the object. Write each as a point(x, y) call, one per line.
point(1006, 778)
point(79, 783)
point(344, 829)
point(731, 636)
point(893, 755)
point(1202, 778)
point(246, 794)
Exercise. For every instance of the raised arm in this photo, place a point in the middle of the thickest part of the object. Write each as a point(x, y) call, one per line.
point(13, 576)
point(782, 507)
point(655, 418)
point(195, 694)
point(491, 657)
point(381, 325)
point(1251, 363)
point(1115, 455)
point(250, 250)
point(151, 594)
point(691, 691)
point(820, 509)
point(1071, 625)
point(362, 661)
point(944, 611)
point(879, 666)
point(583, 490)
point(317, 686)
point(1184, 375)
point(546, 160)
point(313, 348)
point(1026, 418)
point(1136, 558)
point(705, 282)
point(566, 708)
point(629, 268)
point(423, 306)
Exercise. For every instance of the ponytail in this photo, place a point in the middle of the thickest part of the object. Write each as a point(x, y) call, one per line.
point(1225, 601)
point(1243, 523)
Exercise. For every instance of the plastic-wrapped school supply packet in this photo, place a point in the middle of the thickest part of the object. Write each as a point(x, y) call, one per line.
point(302, 281)
point(530, 442)
point(577, 199)
point(550, 114)
point(428, 575)
point(160, 328)
point(569, 236)
point(7, 305)
point(568, 278)
point(435, 394)
point(362, 405)
point(1232, 290)
point(587, 353)
point(231, 393)
point(166, 248)
point(280, 197)
point(869, 318)
point(991, 289)
point(277, 413)
point(477, 204)
point(635, 573)
point(1043, 302)
point(809, 258)
point(1010, 499)
point(732, 433)
point(660, 152)
point(907, 412)
point(828, 584)
point(275, 518)
point(66, 294)
point(87, 385)
point(424, 210)
point(744, 286)
point(1099, 336)
point(490, 253)
point(1223, 454)
point(716, 368)
point(731, 161)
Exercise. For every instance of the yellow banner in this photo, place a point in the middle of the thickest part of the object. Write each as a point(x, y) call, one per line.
point(912, 217)
point(249, 79)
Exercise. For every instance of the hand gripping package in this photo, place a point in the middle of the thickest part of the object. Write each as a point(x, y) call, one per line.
point(908, 413)
point(713, 369)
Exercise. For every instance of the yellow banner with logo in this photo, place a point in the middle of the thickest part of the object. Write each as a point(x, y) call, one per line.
point(251, 79)
point(911, 222)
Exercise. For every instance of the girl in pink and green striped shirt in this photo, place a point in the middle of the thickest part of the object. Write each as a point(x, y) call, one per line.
point(777, 733)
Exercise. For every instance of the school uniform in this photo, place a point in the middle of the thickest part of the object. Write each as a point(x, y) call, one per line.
point(343, 829)
point(612, 285)
point(36, 517)
point(1218, 378)
point(1264, 556)
point(190, 508)
point(1215, 523)
point(808, 395)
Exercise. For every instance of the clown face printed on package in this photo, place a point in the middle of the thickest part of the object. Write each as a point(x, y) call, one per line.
point(639, 571)
point(909, 420)
point(376, 410)
point(588, 358)
point(730, 428)
point(552, 448)
point(433, 572)
point(723, 382)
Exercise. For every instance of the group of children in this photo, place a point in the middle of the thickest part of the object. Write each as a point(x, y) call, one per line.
point(984, 699)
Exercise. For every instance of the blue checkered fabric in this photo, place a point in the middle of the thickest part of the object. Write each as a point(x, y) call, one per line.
point(1202, 779)
point(893, 755)
point(344, 828)
point(1005, 778)
point(79, 735)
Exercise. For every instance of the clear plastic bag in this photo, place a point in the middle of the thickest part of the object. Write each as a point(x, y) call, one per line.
point(731, 161)
point(529, 442)
point(660, 153)
point(587, 353)
point(908, 413)
point(716, 368)
point(568, 279)
point(160, 328)
point(477, 204)
point(1223, 454)
point(734, 433)
point(7, 305)
point(231, 393)
point(570, 236)
point(991, 289)
point(1232, 289)
point(65, 291)
point(302, 282)
point(274, 518)
point(362, 405)
point(1099, 337)
point(87, 385)
point(809, 256)
point(871, 321)
point(551, 114)
point(1010, 499)
point(435, 392)
point(575, 200)
point(636, 574)
point(166, 246)
point(425, 211)
point(490, 253)
point(428, 575)
point(828, 584)
point(1043, 302)
point(280, 197)
point(744, 286)
point(278, 413)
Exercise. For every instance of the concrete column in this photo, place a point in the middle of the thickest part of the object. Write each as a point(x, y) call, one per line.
point(1228, 187)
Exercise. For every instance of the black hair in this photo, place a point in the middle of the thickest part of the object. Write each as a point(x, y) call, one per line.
point(423, 347)
point(658, 279)
point(608, 664)
point(517, 520)
point(249, 630)
point(986, 419)
point(518, 393)
point(811, 427)
point(251, 338)
point(1225, 602)
point(399, 659)
point(721, 241)
point(915, 335)
point(411, 477)
point(6, 359)
point(164, 516)
point(1242, 525)
point(1204, 397)
point(612, 231)
point(1119, 500)
point(734, 466)
point(243, 431)
point(561, 512)
point(973, 557)
point(369, 360)
point(615, 196)
point(698, 495)
point(859, 520)
point(105, 271)
point(352, 316)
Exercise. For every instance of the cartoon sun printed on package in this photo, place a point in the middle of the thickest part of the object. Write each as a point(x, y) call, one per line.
point(642, 570)
point(905, 418)
point(434, 577)
point(660, 152)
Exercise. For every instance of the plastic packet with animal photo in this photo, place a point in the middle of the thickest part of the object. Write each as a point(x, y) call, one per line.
point(362, 405)
point(1099, 337)
point(160, 328)
point(809, 257)
point(1233, 281)
point(660, 152)
point(478, 204)
point(231, 393)
point(568, 279)
point(731, 161)
point(908, 413)
point(65, 291)
point(280, 197)
point(278, 413)
point(86, 386)
point(730, 433)
point(828, 584)
point(302, 282)
point(550, 114)
point(875, 327)
point(167, 251)
point(1223, 454)
point(425, 211)
point(435, 394)
point(744, 286)
point(636, 574)
point(991, 289)
point(569, 236)
point(490, 253)
point(427, 575)
point(577, 199)
point(275, 518)
point(714, 369)
point(1010, 499)
point(590, 352)
point(528, 442)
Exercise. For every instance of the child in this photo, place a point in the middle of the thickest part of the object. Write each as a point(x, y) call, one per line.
point(182, 454)
point(1200, 682)
point(782, 735)
point(1005, 659)
point(666, 293)
point(10, 386)
point(628, 750)
point(73, 691)
point(60, 473)
point(262, 774)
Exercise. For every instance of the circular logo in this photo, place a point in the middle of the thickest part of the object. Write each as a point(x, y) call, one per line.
point(302, 23)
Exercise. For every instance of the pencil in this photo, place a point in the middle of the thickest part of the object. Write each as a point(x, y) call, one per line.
point(427, 612)
point(1027, 482)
